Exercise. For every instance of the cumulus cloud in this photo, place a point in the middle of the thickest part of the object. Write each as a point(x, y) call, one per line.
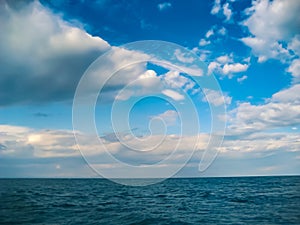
point(42, 56)
point(225, 65)
point(273, 114)
point(174, 80)
point(170, 84)
point(234, 68)
point(294, 69)
point(270, 25)
point(215, 97)
point(266, 49)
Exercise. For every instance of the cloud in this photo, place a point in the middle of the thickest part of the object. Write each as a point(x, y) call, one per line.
point(212, 35)
point(225, 65)
point(272, 16)
point(182, 57)
point(216, 98)
point(27, 152)
point(273, 114)
point(223, 59)
point(222, 9)
point(209, 33)
point(173, 94)
point(174, 80)
point(260, 144)
point(170, 84)
point(216, 7)
point(241, 79)
point(234, 68)
point(45, 63)
point(164, 6)
point(227, 11)
point(266, 49)
point(294, 45)
point(170, 117)
point(23, 146)
point(222, 31)
point(42, 56)
point(204, 42)
point(294, 69)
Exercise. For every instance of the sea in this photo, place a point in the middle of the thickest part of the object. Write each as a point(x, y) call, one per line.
point(238, 200)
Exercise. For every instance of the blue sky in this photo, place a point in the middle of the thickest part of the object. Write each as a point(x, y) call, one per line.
point(248, 52)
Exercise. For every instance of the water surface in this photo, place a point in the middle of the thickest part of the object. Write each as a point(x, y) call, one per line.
point(248, 200)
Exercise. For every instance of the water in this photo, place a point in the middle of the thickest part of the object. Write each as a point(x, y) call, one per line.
point(252, 200)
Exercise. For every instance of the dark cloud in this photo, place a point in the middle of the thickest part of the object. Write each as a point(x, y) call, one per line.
point(42, 57)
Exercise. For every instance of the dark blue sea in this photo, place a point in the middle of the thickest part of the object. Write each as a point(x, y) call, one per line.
point(248, 200)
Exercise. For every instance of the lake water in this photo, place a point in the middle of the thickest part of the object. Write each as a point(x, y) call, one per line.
point(247, 200)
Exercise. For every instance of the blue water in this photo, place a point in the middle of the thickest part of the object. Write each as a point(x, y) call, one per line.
point(251, 200)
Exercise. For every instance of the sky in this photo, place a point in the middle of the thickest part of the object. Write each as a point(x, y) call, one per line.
point(149, 88)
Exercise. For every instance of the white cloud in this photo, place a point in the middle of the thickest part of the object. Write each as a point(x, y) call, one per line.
point(55, 153)
point(216, 8)
point(227, 11)
point(294, 68)
point(294, 45)
point(241, 79)
point(203, 42)
point(193, 70)
point(260, 144)
point(209, 33)
point(50, 146)
point(290, 95)
point(234, 68)
point(170, 117)
point(213, 66)
point(272, 16)
point(266, 49)
point(224, 59)
point(222, 31)
point(147, 83)
point(224, 65)
point(182, 57)
point(164, 6)
point(216, 98)
point(174, 80)
point(282, 110)
point(173, 94)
